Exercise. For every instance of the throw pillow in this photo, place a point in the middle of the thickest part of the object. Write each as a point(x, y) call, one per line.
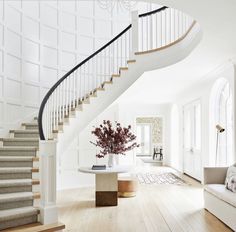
point(230, 180)
point(231, 184)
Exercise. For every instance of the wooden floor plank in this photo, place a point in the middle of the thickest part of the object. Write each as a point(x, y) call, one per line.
point(156, 208)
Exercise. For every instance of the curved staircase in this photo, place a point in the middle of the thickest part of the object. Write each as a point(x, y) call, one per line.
point(77, 98)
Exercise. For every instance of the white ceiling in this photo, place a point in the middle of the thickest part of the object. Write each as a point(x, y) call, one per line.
point(218, 22)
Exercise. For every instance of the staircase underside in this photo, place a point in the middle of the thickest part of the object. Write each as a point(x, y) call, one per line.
point(97, 102)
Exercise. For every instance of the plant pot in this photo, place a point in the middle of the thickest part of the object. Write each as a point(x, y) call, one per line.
point(111, 160)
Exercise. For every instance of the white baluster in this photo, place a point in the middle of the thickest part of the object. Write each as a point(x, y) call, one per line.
point(80, 83)
point(84, 79)
point(151, 31)
point(117, 54)
point(95, 72)
point(135, 34)
point(109, 60)
point(126, 51)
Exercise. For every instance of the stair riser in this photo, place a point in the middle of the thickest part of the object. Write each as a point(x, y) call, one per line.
point(16, 164)
point(8, 176)
point(16, 204)
point(26, 135)
point(17, 153)
point(18, 222)
point(16, 189)
point(32, 127)
point(21, 143)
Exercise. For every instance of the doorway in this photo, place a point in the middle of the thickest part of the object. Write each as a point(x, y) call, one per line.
point(192, 139)
point(144, 138)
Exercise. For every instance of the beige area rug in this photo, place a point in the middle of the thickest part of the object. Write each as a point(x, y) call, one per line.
point(160, 178)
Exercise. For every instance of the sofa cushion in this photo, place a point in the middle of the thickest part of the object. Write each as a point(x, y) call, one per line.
point(220, 191)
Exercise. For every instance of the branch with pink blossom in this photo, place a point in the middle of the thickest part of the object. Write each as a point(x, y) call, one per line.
point(117, 140)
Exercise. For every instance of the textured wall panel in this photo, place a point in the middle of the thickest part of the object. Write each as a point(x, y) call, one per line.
point(68, 22)
point(43, 92)
point(85, 26)
point(13, 43)
point(12, 89)
point(68, 41)
point(99, 42)
point(85, 8)
point(103, 28)
point(30, 110)
point(1, 111)
point(68, 60)
point(1, 86)
point(11, 110)
point(49, 15)
point(13, 67)
point(43, 39)
point(118, 27)
point(1, 10)
point(85, 45)
point(49, 56)
point(13, 18)
point(48, 76)
point(31, 8)
point(49, 36)
point(101, 13)
point(15, 3)
point(68, 6)
point(30, 50)
point(52, 3)
point(1, 36)
point(31, 94)
point(1, 61)
point(30, 28)
point(30, 72)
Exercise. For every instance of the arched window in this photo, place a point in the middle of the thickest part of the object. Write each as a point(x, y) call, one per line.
point(222, 114)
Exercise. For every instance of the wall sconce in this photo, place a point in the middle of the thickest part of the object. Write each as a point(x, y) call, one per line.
point(219, 129)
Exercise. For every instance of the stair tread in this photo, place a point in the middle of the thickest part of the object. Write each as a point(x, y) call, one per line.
point(17, 182)
point(30, 123)
point(11, 214)
point(16, 148)
point(19, 139)
point(6, 197)
point(16, 169)
point(16, 158)
point(24, 131)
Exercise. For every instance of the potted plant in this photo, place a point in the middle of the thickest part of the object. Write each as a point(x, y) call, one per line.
point(113, 140)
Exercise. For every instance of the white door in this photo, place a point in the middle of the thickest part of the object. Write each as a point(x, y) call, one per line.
point(192, 139)
point(144, 139)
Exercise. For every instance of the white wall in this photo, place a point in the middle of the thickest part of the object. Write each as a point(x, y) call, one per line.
point(201, 91)
point(83, 153)
point(39, 42)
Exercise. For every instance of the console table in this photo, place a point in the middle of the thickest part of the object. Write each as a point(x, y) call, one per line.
point(106, 190)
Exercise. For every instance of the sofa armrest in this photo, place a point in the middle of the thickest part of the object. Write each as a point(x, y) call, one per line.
point(215, 175)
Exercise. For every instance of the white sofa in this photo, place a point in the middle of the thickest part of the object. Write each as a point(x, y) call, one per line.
point(218, 200)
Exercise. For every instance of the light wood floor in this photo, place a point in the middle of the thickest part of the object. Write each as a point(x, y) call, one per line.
point(156, 208)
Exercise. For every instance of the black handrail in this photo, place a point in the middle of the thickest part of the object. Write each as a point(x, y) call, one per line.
point(51, 90)
point(153, 12)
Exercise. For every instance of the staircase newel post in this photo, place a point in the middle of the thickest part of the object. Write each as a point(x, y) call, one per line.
point(48, 207)
point(135, 34)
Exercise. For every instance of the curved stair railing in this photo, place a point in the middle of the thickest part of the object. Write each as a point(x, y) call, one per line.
point(148, 32)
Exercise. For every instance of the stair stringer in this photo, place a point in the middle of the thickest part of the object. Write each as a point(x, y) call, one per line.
point(143, 62)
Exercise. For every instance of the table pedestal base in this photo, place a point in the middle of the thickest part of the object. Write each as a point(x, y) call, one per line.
point(106, 198)
point(106, 189)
